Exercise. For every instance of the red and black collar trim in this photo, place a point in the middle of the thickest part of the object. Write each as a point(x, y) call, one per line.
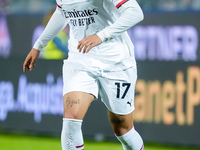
point(58, 5)
point(121, 3)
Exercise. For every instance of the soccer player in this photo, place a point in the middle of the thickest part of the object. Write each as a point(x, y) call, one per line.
point(101, 61)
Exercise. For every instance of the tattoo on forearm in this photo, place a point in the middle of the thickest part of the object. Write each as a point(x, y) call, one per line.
point(70, 103)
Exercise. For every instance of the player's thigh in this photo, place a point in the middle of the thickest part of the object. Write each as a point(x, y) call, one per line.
point(75, 79)
point(121, 124)
point(79, 89)
point(76, 104)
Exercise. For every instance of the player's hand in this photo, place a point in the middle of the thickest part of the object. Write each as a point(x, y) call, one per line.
point(31, 59)
point(88, 42)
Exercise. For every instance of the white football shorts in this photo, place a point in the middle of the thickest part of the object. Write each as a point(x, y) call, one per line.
point(116, 88)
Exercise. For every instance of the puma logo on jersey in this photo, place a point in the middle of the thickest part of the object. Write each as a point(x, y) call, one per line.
point(130, 103)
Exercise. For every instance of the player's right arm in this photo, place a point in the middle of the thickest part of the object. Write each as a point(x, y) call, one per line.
point(31, 59)
point(54, 26)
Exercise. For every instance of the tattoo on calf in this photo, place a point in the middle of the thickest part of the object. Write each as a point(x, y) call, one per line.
point(70, 103)
point(117, 120)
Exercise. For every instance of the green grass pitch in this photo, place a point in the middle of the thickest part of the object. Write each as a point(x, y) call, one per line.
point(16, 142)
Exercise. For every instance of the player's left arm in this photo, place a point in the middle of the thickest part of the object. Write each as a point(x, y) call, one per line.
point(131, 14)
point(86, 44)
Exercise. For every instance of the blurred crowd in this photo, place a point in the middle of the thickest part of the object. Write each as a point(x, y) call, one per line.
point(42, 6)
point(26, 6)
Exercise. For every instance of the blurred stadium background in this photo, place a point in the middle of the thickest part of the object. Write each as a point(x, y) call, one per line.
point(167, 92)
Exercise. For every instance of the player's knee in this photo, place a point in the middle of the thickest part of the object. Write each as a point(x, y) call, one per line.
point(120, 126)
point(71, 115)
point(119, 131)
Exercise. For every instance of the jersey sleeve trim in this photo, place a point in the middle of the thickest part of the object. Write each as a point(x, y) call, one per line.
point(58, 5)
point(121, 3)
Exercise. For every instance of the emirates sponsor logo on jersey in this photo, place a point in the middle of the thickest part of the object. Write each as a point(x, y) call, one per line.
point(81, 17)
point(81, 13)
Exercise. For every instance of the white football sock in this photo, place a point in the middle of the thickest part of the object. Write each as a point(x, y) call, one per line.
point(71, 136)
point(131, 140)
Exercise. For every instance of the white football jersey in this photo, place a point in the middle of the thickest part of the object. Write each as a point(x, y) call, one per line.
point(109, 19)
